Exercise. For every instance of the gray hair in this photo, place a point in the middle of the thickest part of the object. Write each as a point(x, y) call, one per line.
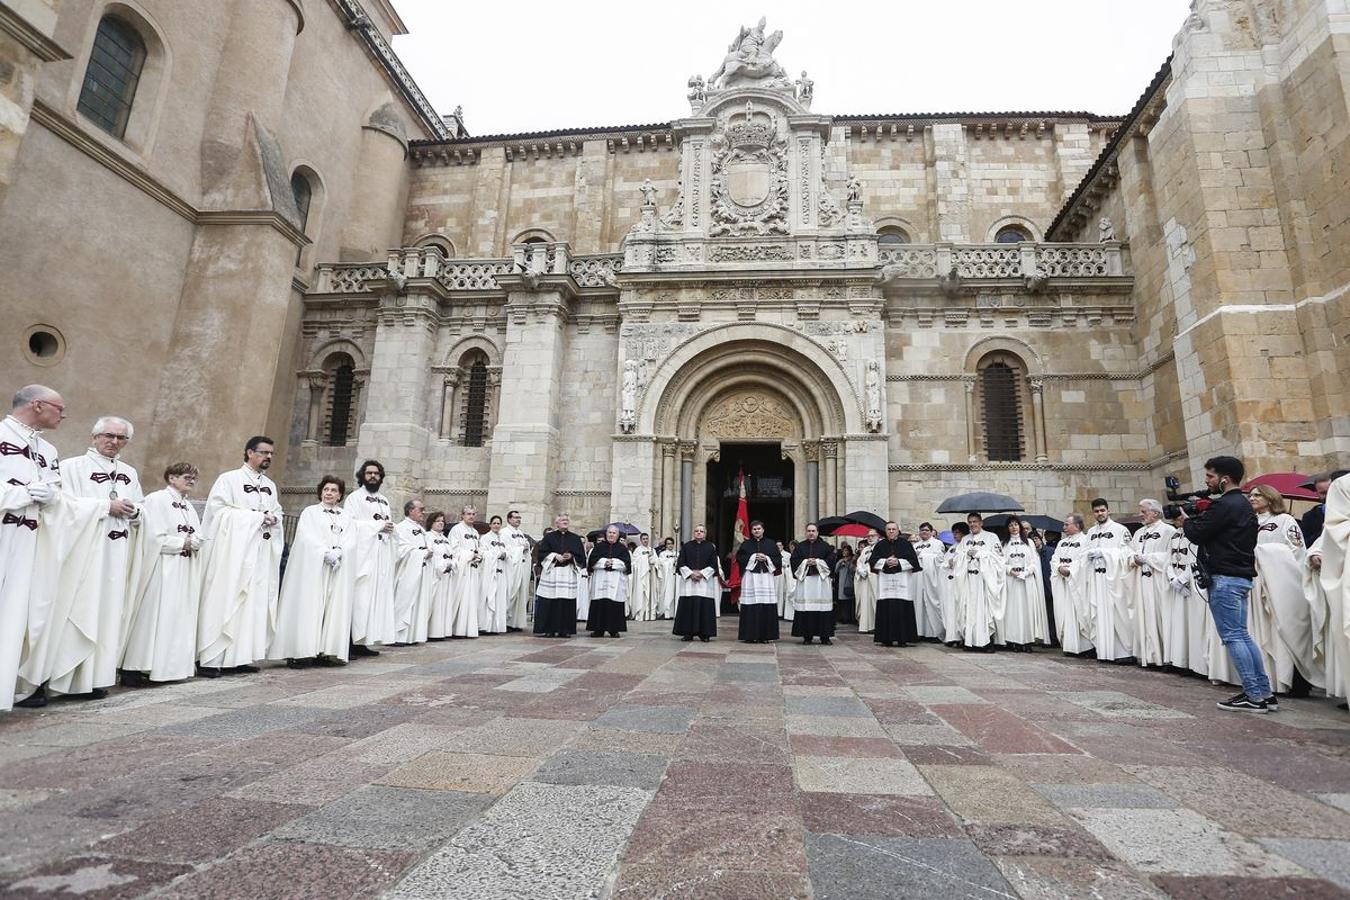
point(560, 516)
point(1076, 519)
point(468, 508)
point(104, 421)
point(1152, 505)
point(28, 393)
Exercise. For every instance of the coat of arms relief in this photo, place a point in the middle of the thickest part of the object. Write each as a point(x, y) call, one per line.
point(749, 185)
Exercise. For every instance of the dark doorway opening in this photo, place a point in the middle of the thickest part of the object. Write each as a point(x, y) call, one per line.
point(768, 487)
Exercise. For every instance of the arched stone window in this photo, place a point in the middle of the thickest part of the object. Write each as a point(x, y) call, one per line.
point(892, 235)
point(469, 401)
point(1002, 403)
point(113, 74)
point(1012, 234)
point(304, 195)
point(341, 399)
point(307, 191)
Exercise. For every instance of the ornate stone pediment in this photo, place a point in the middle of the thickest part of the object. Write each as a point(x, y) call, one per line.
point(749, 187)
point(750, 414)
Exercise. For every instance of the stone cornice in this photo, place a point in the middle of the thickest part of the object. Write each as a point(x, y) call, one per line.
point(269, 217)
point(1136, 375)
point(39, 44)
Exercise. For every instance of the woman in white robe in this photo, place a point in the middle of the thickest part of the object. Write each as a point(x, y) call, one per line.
point(1281, 620)
point(666, 579)
point(496, 579)
point(927, 583)
point(441, 562)
point(160, 640)
point(865, 585)
point(1023, 621)
point(314, 612)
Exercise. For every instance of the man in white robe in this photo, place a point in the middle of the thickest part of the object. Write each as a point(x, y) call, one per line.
point(787, 584)
point(1150, 565)
point(1186, 618)
point(372, 561)
point(1023, 621)
point(980, 583)
point(161, 633)
point(666, 579)
point(642, 591)
point(30, 506)
point(1107, 585)
point(1279, 616)
point(242, 524)
point(1073, 614)
point(413, 576)
point(496, 579)
point(466, 600)
point(865, 584)
point(101, 475)
point(953, 603)
point(927, 583)
point(1327, 559)
point(314, 612)
point(519, 568)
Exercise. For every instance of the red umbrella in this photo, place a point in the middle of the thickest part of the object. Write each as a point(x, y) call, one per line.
point(850, 530)
point(1289, 484)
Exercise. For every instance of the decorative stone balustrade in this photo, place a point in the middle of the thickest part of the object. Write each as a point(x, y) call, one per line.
point(926, 261)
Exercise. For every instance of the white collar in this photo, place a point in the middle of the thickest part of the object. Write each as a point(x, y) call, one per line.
point(26, 430)
point(101, 458)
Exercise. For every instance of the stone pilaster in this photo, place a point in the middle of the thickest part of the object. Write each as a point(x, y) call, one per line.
point(951, 159)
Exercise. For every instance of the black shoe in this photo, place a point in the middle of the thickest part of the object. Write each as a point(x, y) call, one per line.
point(299, 663)
point(96, 694)
point(245, 670)
point(329, 662)
point(1243, 703)
point(688, 637)
point(614, 634)
point(806, 640)
point(1273, 702)
point(208, 672)
point(705, 639)
point(363, 650)
point(129, 678)
point(825, 641)
point(597, 634)
point(36, 700)
point(1343, 705)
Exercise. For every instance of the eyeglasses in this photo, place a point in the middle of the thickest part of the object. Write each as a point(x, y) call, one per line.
point(57, 406)
point(108, 436)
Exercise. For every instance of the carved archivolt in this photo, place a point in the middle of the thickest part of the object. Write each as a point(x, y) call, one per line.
point(750, 415)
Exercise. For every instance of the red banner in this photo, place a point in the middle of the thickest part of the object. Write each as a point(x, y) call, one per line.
point(740, 531)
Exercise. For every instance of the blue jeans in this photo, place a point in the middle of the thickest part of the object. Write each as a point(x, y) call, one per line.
point(1228, 605)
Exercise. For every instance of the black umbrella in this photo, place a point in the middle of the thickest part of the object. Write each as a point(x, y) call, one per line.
point(980, 502)
point(595, 536)
point(870, 519)
point(828, 524)
point(1044, 523)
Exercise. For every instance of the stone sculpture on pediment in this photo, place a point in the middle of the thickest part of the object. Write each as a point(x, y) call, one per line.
point(1106, 231)
point(749, 415)
point(749, 62)
point(806, 89)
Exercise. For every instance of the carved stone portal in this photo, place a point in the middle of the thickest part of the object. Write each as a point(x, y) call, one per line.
point(750, 415)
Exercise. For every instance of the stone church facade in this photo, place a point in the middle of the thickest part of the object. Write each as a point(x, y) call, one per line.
point(857, 311)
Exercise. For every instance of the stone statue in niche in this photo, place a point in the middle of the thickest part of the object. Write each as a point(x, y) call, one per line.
point(1105, 230)
point(749, 61)
point(854, 189)
point(648, 193)
point(872, 390)
point(806, 88)
point(628, 410)
point(698, 92)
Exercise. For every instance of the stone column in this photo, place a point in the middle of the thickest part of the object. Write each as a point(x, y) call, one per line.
point(868, 483)
point(687, 449)
point(667, 488)
point(811, 451)
point(525, 440)
point(314, 426)
point(379, 189)
point(1038, 420)
point(972, 442)
point(829, 457)
point(952, 187)
point(449, 395)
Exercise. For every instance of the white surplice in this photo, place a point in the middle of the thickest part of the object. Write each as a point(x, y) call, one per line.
point(865, 591)
point(642, 590)
point(1023, 620)
point(161, 634)
point(373, 556)
point(1331, 644)
point(1335, 572)
point(666, 585)
point(243, 559)
point(1073, 612)
point(953, 603)
point(787, 587)
point(926, 587)
point(25, 457)
point(1150, 590)
point(1280, 618)
point(979, 583)
point(495, 583)
point(468, 580)
point(440, 564)
point(1185, 611)
point(1107, 576)
point(413, 582)
point(519, 566)
point(95, 477)
point(314, 612)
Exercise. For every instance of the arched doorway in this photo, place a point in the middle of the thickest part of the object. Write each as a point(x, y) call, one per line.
point(754, 427)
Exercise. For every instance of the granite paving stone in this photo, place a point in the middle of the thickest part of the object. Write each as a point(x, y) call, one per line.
point(380, 817)
point(990, 796)
point(648, 882)
point(203, 832)
point(1245, 804)
point(514, 849)
point(1327, 859)
point(1062, 841)
point(895, 868)
point(476, 773)
point(836, 726)
point(1180, 841)
point(1114, 796)
point(1051, 878)
point(671, 720)
point(510, 736)
point(1219, 887)
point(728, 838)
point(893, 816)
point(859, 776)
point(294, 870)
point(640, 770)
point(95, 877)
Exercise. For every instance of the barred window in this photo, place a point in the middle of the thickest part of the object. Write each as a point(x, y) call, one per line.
point(1002, 386)
point(112, 75)
point(342, 391)
point(475, 403)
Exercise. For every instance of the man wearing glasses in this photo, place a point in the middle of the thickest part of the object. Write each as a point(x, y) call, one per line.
point(29, 478)
point(99, 598)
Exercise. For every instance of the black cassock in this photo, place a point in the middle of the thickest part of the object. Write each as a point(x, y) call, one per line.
point(696, 616)
point(895, 617)
point(607, 612)
point(813, 623)
point(552, 614)
point(759, 620)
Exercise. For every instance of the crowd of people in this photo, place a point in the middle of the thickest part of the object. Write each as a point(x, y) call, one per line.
point(101, 582)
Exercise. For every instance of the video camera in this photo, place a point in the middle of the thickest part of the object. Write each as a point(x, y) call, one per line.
point(1192, 503)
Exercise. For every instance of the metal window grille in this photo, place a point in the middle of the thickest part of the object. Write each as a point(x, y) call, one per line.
point(111, 78)
point(1002, 412)
point(475, 405)
point(339, 422)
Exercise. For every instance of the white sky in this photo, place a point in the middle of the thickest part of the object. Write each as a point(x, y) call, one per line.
point(527, 65)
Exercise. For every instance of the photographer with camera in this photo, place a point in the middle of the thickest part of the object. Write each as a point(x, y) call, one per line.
point(1224, 530)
